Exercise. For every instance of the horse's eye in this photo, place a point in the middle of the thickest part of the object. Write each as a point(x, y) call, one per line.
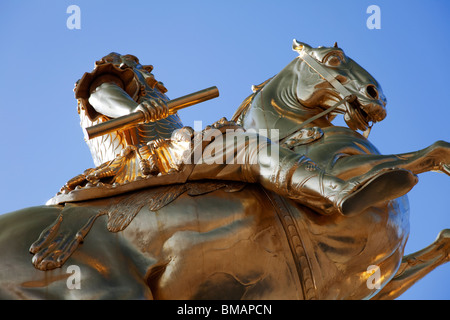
point(332, 60)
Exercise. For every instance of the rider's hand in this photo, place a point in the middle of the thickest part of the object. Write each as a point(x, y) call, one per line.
point(153, 109)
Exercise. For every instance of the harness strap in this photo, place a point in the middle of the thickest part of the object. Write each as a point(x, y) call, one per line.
point(302, 261)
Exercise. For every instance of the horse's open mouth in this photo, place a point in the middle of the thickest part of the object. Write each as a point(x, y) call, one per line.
point(355, 116)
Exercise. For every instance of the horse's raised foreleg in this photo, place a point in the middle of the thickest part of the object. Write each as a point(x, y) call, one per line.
point(433, 158)
point(417, 265)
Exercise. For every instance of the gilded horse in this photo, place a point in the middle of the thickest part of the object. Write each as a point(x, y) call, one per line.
point(216, 239)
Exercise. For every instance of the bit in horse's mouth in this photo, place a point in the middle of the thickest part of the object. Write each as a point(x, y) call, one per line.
point(355, 117)
point(354, 114)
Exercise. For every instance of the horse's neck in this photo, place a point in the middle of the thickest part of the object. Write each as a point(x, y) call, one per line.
point(276, 105)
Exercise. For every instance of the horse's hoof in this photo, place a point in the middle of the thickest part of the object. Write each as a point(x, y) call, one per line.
point(444, 235)
point(443, 242)
point(445, 168)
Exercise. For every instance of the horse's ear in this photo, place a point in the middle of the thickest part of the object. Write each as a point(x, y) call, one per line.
point(299, 46)
point(335, 45)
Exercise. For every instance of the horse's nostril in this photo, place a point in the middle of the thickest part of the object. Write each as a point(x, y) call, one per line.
point(372, 91)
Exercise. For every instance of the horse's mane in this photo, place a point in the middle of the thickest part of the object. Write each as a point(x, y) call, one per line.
point(242, 110)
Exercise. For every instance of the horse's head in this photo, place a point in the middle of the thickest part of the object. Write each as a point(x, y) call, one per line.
point(327, 75)
point(316, 86)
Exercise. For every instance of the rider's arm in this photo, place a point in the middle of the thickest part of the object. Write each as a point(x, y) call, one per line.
point(111, 100)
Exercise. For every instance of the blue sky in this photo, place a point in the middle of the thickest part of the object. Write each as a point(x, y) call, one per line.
point(232, 45)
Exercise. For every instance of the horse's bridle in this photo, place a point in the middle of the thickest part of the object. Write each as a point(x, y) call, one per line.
point(334, 82)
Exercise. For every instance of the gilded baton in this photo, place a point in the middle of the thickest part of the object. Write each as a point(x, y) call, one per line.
point(138, 117)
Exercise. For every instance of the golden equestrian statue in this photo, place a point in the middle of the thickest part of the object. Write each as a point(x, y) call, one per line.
point(276, 203)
